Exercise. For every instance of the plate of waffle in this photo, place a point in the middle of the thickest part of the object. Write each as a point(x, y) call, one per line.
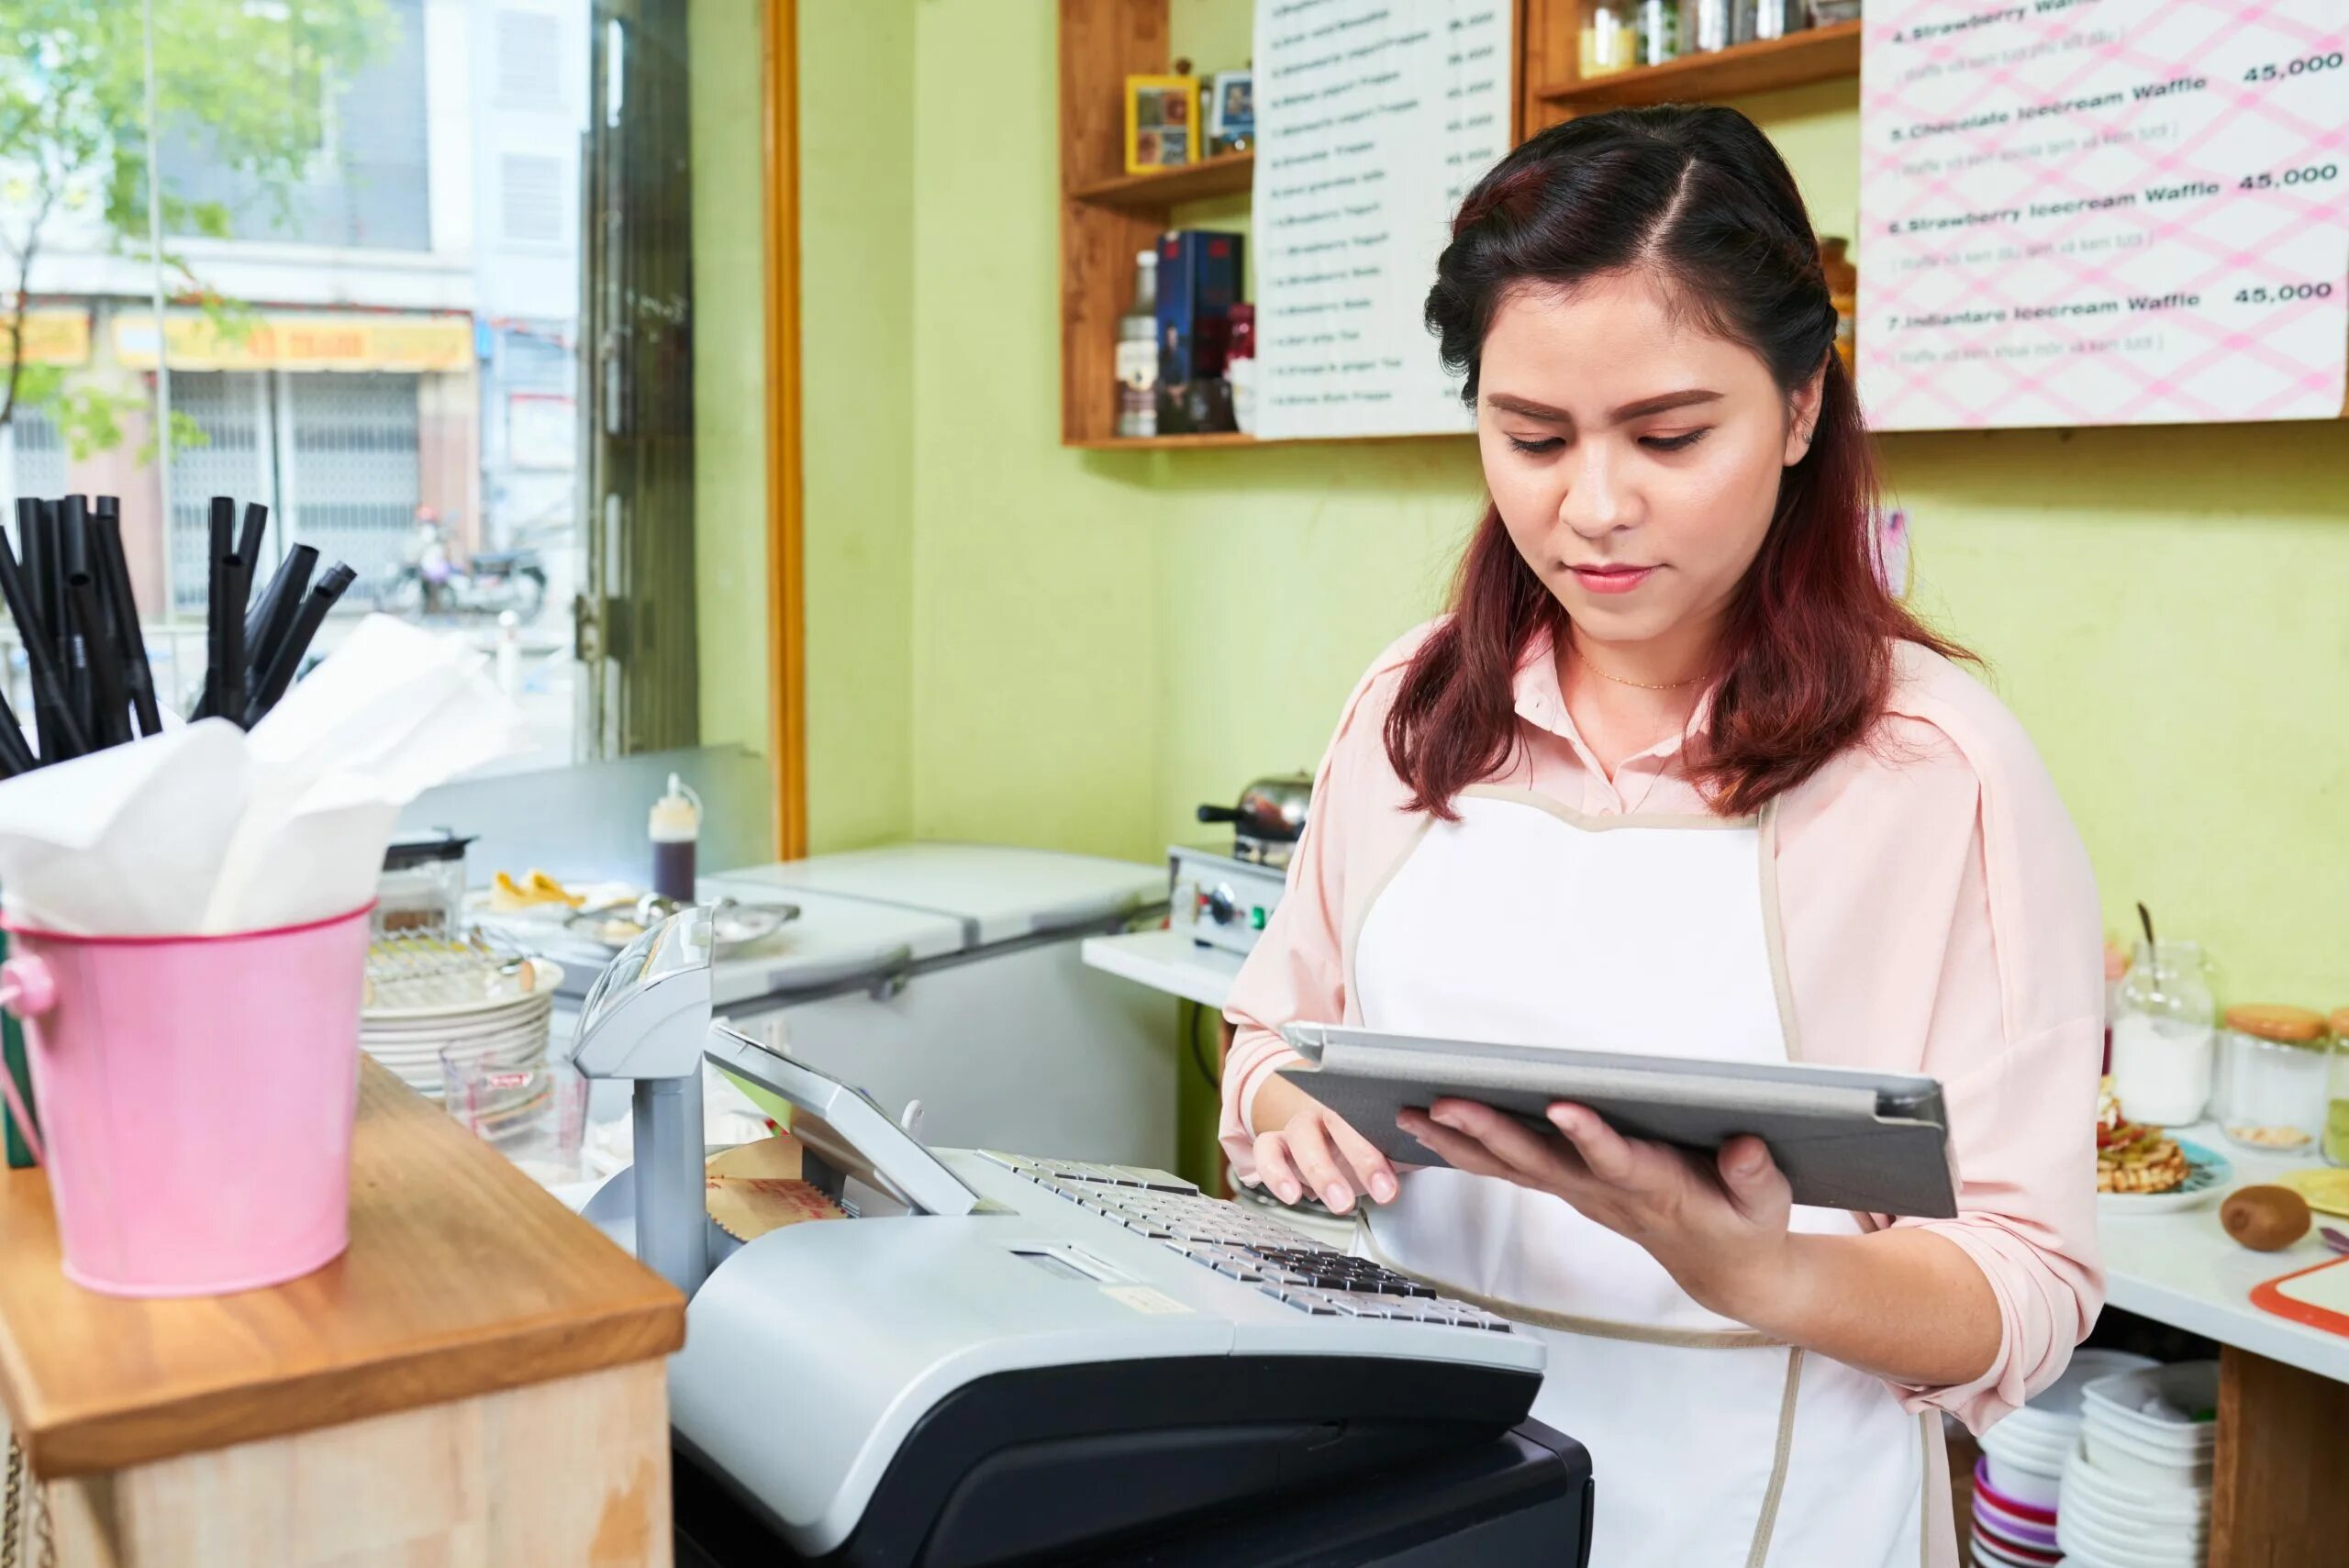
point(2144, 1170)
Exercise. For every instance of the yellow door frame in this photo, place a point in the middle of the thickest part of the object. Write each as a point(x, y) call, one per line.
point(787, 583)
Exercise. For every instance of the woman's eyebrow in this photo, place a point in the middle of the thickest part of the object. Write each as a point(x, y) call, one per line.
point(1510, 403)
point(1664, 401)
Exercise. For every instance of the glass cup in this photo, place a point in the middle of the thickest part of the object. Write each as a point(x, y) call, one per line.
point(535, 1114)
point(2163, 1035)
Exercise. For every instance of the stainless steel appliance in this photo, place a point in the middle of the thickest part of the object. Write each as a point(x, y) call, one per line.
point(1223, 898)
point(1269, 818)
point(1222, 901)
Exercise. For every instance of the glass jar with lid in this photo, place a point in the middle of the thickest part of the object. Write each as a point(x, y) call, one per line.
point(2163, 1052)
point(2272, 1078)
point(2336, 1110)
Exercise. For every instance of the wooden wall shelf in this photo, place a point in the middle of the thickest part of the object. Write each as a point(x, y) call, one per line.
point(1165, 443)
point(1108, 215)
point(1820, 54)
point(1229, 175)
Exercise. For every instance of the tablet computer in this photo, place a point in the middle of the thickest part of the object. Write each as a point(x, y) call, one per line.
point(1874, 1142)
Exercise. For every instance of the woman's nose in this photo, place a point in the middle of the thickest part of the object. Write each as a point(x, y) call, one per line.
point(1596, 502)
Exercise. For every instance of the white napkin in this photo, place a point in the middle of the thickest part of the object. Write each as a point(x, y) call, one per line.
point(205, 829)
point(123, 842)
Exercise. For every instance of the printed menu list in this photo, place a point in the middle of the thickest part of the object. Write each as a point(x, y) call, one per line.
point(2103, 212)
point(1373, 118)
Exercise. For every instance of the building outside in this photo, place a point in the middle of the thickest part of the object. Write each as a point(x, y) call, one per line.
point(404, 344)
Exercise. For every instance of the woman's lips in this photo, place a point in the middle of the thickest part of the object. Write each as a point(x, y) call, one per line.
point(1612, 579)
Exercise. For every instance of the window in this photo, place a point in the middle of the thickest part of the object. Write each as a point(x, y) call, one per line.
point(530, 209)
point(370, 269)
point(529, 73)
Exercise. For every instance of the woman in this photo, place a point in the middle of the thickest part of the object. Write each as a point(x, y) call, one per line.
point(1678, 775)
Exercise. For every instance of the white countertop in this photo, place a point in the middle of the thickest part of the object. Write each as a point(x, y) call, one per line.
point(2178, 1268)
point(1169, 962)
point(2183, 1270)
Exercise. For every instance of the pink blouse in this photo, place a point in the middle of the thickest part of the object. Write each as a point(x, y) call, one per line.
point(1939, 916)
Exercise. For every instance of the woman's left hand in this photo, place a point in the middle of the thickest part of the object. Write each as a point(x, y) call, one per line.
point(1717, 1226)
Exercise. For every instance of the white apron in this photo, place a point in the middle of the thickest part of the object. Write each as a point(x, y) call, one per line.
point(1526, 922)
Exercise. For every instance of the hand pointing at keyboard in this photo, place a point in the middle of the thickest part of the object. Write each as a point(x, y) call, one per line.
point(1301, 1144)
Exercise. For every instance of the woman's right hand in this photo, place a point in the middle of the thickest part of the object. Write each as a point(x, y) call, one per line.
point(1313, 1147)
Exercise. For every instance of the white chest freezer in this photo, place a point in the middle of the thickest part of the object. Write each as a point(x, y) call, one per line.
point(950, 975)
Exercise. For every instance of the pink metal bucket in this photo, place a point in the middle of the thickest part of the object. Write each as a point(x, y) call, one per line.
point(196, 1097)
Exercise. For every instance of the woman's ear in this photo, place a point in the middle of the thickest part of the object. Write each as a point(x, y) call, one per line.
point(1803, 409)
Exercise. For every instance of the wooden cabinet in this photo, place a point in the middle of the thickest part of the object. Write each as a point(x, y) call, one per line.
point(479, 1382)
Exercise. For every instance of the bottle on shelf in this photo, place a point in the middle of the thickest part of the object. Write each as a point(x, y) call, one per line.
point(1779, 18)
point(1609, 41)
point(1659, 29)
point(2336, 1111)
point(1240, 368)
point(1843, 293)
point(1136, 363)
point(1704, 26)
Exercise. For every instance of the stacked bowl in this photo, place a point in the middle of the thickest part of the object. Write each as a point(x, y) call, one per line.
point(2137, 1485)
point(2018, 1485)
point(494, 1017)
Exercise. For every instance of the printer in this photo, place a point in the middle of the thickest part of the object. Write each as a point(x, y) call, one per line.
point(1002, 1358)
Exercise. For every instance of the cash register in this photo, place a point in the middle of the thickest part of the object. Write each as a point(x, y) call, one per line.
point(1001, 1358)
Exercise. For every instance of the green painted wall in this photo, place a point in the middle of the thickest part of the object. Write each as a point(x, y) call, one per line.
point(857, 254)
point(730, 372)
point(1101, 641)
point(856, 207)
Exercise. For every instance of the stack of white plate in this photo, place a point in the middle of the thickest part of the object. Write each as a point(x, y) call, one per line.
point(2137, 1487)
point(507, 1027)
point(2018, 1485)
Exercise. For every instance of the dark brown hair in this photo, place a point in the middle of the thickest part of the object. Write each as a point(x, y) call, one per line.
point(1698, 198)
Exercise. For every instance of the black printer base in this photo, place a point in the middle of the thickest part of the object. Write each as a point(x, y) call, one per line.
point(1523, 1500)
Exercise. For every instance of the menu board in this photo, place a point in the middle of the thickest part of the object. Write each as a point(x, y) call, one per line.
point(1374, 118)
point(2103, 212)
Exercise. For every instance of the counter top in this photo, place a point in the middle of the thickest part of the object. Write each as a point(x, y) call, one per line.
point(2182, 1269)
point(1167, 961)
point(2178, 1268)
point(463, 1277)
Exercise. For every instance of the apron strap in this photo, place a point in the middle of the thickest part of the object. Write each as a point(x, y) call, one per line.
point(1567, 1323)
point(1768, 1522)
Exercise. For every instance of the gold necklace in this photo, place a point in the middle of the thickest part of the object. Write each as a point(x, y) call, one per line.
point(1643, 685)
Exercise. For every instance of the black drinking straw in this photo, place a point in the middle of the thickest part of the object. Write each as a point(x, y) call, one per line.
point(60, 735)
point(273, 613)
point(224, 615)
point(248, 542)
point(287, 656)
point(16, 755)
point(33, 534)
point(41, 561)
point(109, 717)
point(114, 578)
point(75, 634)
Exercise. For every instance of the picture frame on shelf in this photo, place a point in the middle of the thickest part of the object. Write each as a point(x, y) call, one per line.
point(1162, 123)
point(1231, 112)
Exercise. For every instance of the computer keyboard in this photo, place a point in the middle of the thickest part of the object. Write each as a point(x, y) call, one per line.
point(1319, 1281)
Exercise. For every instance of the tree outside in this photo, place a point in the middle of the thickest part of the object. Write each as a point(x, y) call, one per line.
point(250, 82)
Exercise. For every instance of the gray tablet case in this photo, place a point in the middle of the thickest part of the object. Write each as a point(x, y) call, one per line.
point(1872, 1142)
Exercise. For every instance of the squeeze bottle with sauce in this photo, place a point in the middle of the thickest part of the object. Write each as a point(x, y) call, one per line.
point(675, 829)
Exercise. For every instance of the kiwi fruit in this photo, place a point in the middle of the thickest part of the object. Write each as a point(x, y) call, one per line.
point(2265, 1218)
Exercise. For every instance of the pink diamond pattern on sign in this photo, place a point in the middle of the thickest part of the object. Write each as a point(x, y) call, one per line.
point(2079, 184)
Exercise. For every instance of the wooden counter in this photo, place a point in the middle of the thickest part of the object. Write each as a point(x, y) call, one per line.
point(479, 1379)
